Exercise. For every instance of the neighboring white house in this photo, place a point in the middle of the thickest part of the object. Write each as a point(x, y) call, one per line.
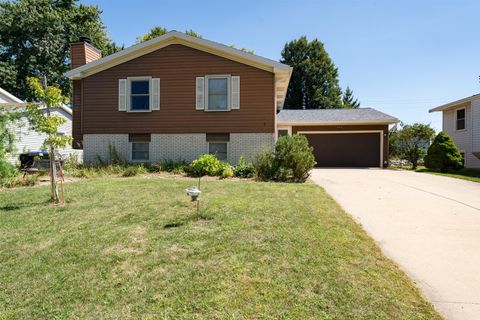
point(461, 120)
point(29, 140)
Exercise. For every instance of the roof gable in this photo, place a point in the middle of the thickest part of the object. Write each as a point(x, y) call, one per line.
point(7, 97)
point(282, 71)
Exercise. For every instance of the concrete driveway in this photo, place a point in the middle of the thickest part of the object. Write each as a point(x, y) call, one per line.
point(428, 224)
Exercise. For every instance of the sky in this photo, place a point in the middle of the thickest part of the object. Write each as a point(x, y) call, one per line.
point(400, 57)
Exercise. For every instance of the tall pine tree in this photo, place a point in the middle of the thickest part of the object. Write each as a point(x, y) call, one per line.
point(349, 102)
point(314, 82)
point(34, 41)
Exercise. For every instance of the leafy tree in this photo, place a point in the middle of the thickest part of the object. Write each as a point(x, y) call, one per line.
point(412, 140)
point(48, 97)
point(314, 82)
point(34, 41)
point(443, 154)
point(160, 31)
point(7, 139)
point(348, 100)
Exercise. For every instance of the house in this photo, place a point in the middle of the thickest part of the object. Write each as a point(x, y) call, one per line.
point(461, 121)
point(176, 97)
point(30, 140)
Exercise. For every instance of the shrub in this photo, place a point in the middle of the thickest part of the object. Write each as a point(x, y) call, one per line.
point(133, 170)
point(169, 166)
point(6, 169)
point(227, 172)
point(243, 169)
point(206, 164)
point(264, 166)
point(19, 181)
point(443, 155)
point(292, 160)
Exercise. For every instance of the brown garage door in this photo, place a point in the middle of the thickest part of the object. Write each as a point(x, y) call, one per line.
point(346, 149)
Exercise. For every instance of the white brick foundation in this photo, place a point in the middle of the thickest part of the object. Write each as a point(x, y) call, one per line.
point(175, 147)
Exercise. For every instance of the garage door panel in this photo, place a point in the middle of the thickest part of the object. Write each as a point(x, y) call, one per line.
point(346, 149)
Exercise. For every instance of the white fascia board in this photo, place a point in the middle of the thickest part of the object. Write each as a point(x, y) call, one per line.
point(454, 103)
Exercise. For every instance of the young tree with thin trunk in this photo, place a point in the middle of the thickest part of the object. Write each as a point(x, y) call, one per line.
point(43, 121)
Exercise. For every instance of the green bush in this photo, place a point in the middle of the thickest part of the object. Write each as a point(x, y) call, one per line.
point(227, 172)
point(243, 169)
point(443, 154)
point(6, 169)
point(265, 166)
point(291, 160)
point(206, 164)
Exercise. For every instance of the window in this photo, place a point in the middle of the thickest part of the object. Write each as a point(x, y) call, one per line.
point(282, 132)
point(218, 93)
point(219, 149)
point(460, 119)
point(139, 95)
point(140, 146)
point(140, 151)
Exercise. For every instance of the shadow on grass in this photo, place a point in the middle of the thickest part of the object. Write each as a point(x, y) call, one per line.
point(18, 206)
point(194, 217)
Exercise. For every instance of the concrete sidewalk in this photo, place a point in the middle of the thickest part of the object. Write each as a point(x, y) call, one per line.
point(428, 224)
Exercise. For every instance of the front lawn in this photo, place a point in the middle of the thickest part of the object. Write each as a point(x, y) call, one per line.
point(133, 248)
point(465, 174)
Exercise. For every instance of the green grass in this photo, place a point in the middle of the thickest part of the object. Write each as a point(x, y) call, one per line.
point(132, 248)
point(465, 174)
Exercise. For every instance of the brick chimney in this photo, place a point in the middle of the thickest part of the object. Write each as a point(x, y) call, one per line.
point(83, 52)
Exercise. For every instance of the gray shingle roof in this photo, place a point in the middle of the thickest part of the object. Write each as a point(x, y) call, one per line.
point(335, 115)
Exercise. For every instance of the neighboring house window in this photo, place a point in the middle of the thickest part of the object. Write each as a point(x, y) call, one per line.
point(140, 147)
point(218, 93)
point(140, 95)
point(218, 145)
point(460, 119)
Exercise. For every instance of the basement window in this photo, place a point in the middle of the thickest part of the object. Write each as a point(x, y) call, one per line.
point(460, 119)
point(218, 145)
point(140, 147)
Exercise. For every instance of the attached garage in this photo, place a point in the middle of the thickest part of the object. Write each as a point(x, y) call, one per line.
point(341, 137)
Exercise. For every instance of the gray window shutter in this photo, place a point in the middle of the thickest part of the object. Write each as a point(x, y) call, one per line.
point(155, 96)
point(122, 95)
point(200, 93)
point(235, 92)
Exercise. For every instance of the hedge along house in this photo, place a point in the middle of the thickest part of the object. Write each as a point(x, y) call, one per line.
point(174, 97)
point(341, 137)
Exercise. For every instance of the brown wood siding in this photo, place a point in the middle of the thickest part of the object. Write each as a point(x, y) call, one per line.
point(177, 67)
point(384, 128)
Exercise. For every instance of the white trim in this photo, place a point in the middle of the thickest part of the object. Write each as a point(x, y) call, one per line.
point(229, 89)
point(228, 148)
point(10, 96)
point(454, 103)
point(130, 149)
point(464, 119)
point(129, 95)
point(352, 131)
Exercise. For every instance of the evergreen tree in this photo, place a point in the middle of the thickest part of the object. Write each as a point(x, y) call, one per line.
point(314, 82)
point(348, 100)
point(443, 154)
point(34, 41)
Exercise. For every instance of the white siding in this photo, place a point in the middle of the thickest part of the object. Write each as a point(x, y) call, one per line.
point(464, 138)
point(29, 140)
point(476, 125)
